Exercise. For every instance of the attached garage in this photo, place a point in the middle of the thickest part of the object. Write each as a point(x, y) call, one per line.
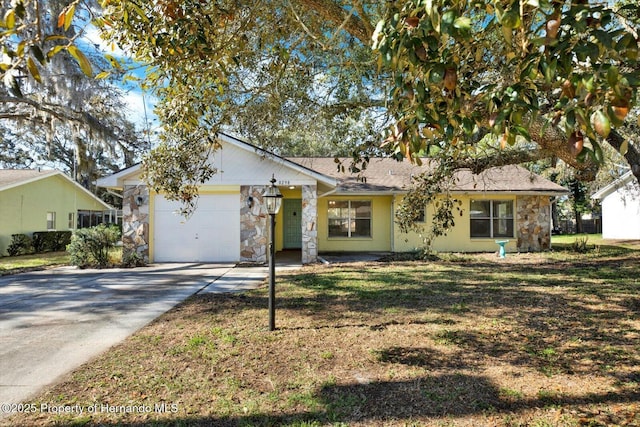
point(230, 223)
point(211, 234)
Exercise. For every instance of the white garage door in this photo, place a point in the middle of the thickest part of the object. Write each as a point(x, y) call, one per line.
point(211, 234)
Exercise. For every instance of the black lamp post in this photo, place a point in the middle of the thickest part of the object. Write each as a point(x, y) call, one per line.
point(272, 201)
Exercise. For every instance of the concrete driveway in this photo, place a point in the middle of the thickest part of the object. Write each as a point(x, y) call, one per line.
point(53, 321)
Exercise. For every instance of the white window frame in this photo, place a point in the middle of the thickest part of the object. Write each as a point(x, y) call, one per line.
point(491, 218)
point(51, 220)
point(350, 220)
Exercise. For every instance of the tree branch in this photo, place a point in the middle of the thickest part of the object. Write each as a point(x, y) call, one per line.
point(331, 11)
point(508, 157)
point(632, 155)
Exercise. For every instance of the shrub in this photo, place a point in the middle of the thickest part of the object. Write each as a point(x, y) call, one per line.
point(133, 259)
point(579, 245)
point(20, 244)
point(51, 241)
point(90, 247)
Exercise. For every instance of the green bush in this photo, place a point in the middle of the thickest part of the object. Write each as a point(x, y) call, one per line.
point(90, 247)
point(51, 241)
point(20, 245)
point(133, 259)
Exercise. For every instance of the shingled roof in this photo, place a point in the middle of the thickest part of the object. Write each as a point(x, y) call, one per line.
point(391, 177)
point(13, 177)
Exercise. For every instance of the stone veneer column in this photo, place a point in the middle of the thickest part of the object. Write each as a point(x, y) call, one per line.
point(135, 221)
point(309, 224)
point(254, 232)
point(533, 223)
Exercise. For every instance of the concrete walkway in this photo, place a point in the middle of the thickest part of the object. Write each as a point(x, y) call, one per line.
point(53, 321)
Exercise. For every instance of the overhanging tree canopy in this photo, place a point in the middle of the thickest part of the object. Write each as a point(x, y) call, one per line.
point(561, 75)
point(52, 108)
point(544, 78)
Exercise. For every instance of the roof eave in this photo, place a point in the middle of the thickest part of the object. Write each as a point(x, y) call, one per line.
point(45, 174)
point(608, 189)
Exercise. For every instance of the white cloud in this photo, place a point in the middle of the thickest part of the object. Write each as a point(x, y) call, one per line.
point(92, 35)
point(141, 108)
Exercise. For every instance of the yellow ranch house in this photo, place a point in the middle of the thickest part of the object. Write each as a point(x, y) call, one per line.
point(324, 210)
point(35, 200)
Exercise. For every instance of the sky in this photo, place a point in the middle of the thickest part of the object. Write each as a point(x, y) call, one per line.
point(141, 105)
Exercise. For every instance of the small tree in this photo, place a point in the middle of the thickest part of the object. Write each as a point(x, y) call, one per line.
point(90, 247)
point(20, 245)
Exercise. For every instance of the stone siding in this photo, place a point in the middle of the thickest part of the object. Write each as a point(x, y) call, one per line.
point(254, 225)
point(135, 221)
point(309, 224)
point(533, 223)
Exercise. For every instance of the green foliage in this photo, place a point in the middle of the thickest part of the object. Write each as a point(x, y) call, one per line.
point(508, 67)
point(281, 76)
point(430, 190)
point(52, 108)
point(132, 259)
point(51, 241)
point(28, 45)
point(20, 245)
point(90, 247)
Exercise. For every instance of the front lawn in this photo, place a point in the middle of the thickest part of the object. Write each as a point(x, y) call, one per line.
point(17, 264)
point(533, 339)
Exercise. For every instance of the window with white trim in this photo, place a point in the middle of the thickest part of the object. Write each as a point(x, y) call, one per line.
point(491, 218)
point(349, 218)
point(51, 220)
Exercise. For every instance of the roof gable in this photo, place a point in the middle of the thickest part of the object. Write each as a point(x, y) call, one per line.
point(241, 163)
point(12, 178)
point(623, 181)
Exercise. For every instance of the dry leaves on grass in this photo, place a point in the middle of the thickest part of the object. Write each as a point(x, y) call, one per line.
point(531, 340)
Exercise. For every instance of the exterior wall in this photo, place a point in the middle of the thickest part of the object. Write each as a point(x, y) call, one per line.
point(533, 223)
point(135, 221)
point(621, 213)
point(23, 209)
point(458, 239)
point(309, 224)
point(381, 225)
point(254, 225)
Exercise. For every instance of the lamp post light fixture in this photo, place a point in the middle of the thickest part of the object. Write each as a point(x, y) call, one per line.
point(272, 200)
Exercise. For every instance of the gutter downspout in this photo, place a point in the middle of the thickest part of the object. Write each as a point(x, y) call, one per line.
point(393, 226)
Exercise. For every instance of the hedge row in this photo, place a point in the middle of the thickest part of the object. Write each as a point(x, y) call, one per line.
point(41, 241)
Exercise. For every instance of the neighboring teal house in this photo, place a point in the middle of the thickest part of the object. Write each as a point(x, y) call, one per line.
point(32, 200)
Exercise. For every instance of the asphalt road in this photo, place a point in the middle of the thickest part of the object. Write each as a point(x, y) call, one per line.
point(53, 321)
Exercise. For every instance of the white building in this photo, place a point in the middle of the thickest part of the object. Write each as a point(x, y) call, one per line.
point(620, 208)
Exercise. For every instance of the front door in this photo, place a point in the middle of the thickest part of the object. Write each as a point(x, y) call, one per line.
point(292, 223)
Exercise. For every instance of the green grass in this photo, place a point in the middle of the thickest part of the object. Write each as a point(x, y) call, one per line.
point(594, 240)
point(15, 264)
point(22, 263)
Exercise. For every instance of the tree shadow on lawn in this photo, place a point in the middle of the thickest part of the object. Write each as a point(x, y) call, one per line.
point(580, 321)
point(571, 320)
point(429, 398)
